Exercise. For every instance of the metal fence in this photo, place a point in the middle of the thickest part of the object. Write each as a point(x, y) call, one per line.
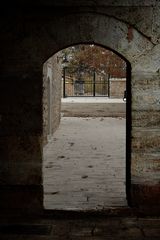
point(84, 83)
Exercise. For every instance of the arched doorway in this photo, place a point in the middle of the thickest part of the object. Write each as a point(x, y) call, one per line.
point(117, 69)
point(41, 41)
point(114, 35)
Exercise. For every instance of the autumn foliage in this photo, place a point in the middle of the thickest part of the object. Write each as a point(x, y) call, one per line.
point(92, 57)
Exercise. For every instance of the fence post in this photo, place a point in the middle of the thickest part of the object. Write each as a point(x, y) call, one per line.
point(94, 83)
point(108, 85)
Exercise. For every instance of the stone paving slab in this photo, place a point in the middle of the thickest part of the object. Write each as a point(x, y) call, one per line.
point(109, 228)
point(84, 165)
point(91, 100)
point(93, 109)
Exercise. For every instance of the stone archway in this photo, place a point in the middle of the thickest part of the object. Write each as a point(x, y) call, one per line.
point(39, 41)
point(95, 28)
point(106, 32)
point(58, 155)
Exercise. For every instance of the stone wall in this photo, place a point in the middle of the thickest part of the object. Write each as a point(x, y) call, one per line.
point(117, 87)
point(52, 74)
point(31, 32)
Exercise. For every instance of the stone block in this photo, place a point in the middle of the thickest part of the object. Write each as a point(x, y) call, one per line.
point(20, 199)
point(146, 119)
point(146, 197)
point(145, 167)
point(146, 140)
point(22, 160)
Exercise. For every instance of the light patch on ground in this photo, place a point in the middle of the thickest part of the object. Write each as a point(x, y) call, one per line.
point(84, 165)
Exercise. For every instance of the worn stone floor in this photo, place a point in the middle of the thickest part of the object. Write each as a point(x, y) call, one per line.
point(91, 100)
point(107, 228)
point(84, 165)
point(93, 107)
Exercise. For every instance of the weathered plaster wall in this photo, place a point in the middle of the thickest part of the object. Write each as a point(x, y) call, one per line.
point(29, 36)
point(52, 74)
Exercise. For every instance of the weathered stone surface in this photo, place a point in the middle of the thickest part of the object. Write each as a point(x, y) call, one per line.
point(82, 228)
point(84, 165)
point(146, 167)
point(139, 17)
point(148, 63)
point(29, 36)
point(94, 109)
point(52, 75)
point(102, 30)
point(145, 100)
point(156, 24)
point(140, 118)
point(146, 140)
point(147, 197)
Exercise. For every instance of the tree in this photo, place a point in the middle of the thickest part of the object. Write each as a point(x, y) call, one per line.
point(92, 57)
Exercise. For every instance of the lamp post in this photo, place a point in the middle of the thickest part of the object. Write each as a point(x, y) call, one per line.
point(64, 65)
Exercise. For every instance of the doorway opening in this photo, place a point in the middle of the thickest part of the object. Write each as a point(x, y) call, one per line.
point(86, 162)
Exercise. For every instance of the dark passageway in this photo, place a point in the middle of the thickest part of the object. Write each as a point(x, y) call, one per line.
point(32, 32)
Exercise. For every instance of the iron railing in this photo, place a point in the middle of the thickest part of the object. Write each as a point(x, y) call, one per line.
point(87, 83)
